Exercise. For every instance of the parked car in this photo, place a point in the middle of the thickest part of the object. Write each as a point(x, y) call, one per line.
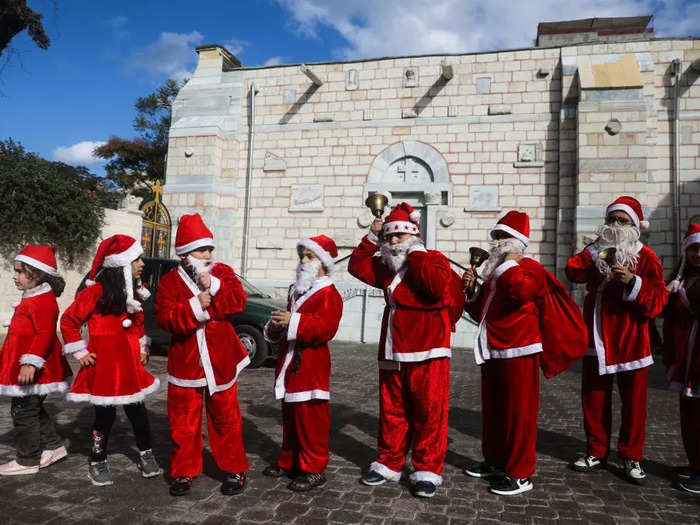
point(248, 324)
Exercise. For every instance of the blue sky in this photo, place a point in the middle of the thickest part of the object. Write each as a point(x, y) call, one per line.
point(103, 55)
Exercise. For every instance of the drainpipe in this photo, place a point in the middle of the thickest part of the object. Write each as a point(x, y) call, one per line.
point(248, 180)
point(677, 67)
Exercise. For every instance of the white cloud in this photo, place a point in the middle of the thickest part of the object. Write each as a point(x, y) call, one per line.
point(236, 46)
point(382, 28)
point(172, 54)
point(273, 61)
point(79, 154)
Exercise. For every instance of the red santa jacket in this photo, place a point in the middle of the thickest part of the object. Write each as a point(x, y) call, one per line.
point(617, 318)
point(416, 322)
point(117, 377)
point(509, 319)
point(204, 349)
point(682, 345)
point(31, 340)
point(314, 322)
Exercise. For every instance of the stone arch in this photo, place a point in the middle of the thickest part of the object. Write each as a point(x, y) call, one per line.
point(417, 173)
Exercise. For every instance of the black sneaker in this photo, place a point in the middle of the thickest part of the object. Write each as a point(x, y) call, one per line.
point(634, 472)
point(373, 478)
point(692, 484)
point(307, 482)
point(510, 486)
point(180, 486)
point(587, 464)
point(423, 489)
point(233, 484)
point(683, 472)
point(483, 470)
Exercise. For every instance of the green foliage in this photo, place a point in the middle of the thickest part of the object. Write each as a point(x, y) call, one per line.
point(136, 162)
point(48, 202)
point(15, 17)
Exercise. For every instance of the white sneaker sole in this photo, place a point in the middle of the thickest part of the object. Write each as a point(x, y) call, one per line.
point(150, 474)
point(372, 483)
point(688, 489)
point(54, 459)
point(474, 474)
point(520, 490)
point(30, 470)
point(100, 483)
point(421, 494)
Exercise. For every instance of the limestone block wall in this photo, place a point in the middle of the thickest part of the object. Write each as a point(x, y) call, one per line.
point(124, 221)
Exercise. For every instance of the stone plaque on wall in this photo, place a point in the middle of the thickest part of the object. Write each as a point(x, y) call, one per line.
point(483, 198)
point(307, 197)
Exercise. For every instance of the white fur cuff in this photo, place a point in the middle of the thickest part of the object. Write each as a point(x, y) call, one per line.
point(31, 359)
point(215, 285)
point(199, 314)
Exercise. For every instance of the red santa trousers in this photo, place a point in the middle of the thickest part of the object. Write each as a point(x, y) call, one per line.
point(510, 396)
point(596, 394)
point(413, 409)
point(690, 429)
point(305, 431)
point(223, 425)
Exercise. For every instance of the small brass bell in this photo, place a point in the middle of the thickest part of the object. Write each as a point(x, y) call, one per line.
point(608, 255)
point(477, 256)
point(376, 203)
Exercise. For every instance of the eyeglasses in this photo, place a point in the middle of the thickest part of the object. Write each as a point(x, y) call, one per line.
point(611, 219)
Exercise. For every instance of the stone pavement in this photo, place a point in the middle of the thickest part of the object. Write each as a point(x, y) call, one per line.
point(62, 493)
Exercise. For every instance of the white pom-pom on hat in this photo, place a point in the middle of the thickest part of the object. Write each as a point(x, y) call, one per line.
point(644, 225)
point(414, 216)
point(126, 323)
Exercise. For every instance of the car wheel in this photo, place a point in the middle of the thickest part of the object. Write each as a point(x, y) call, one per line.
point(254, 343)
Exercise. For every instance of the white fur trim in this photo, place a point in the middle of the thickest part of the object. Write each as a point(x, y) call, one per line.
point(89, 282)
point(503, 268)
point(413, 357)
point(32, 359)
point(143, 293)
point(380, 468)
point(644, 225)
point(144, 342)
point(414, 216)
point(293, 326)
point(187, 383)
point(372, 237)
point(673, 286)
point(118, 260)
point(126, 323)
point(215, 285)
point(389, 339)
point(592, 252)
point(33, 390)
point(37, 290)
point(512, 231)
point(690, 240)
point(114, 400)
point(519, 351)
point(192, 246)
point(400, 227)
point(307, 395)
point(15, 304)
point(71, 348)
point(322, 254)
point(630, 365)
point(425, 475)
point(628, 210)
point(417, 248)
point(201, 315)
point(632, 295)
point(37, 264)
point(80, 354)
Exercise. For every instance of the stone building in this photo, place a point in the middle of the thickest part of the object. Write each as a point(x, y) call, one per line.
point(271, 154)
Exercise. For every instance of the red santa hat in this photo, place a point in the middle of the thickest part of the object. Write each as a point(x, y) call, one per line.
point(192, 234)
point(692, 236)
point(118, 251)
point(631, 207)
point(323, 247)
point(402, 219)
point(40, 257)
point(516, 224)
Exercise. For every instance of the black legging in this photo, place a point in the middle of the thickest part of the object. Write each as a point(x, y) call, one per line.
point(104, 419)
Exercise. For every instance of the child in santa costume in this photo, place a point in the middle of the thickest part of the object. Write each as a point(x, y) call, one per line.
point(112, 361)
point(193, 303)
point(682, 352)
point(509, 346)
point(414, 349)
point(31, 362)
point(302, 376)
point(623, 294)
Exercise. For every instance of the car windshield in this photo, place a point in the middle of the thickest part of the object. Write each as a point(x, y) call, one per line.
point(251, 290)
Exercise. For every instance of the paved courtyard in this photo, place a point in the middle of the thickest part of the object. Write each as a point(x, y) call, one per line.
point(63, 494)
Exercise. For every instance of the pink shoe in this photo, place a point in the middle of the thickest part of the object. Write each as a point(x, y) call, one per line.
point(49, 457)
point(15, 469)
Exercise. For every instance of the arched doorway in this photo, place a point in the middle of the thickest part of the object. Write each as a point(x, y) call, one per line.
point(416, 173)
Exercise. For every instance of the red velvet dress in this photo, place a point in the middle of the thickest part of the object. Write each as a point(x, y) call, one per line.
point(31, 339)
point(117, 377)
point(305, 392)
point(414, 366)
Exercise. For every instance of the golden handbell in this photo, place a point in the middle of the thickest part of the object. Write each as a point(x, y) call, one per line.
point(608, 255)
point(376, 203)
point(477, 256)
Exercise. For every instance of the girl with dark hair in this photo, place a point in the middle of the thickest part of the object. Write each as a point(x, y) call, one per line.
point(112, 361)
point(31, 362)
point(682, 353)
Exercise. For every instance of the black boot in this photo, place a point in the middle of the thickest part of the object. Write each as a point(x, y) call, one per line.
point(233, 484)
point(180, 486)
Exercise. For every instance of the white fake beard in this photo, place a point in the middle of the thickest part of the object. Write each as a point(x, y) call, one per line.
point(624, 240)
point(394, 255)
point(498, 249)
point(198, 266)
point(307, 273)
